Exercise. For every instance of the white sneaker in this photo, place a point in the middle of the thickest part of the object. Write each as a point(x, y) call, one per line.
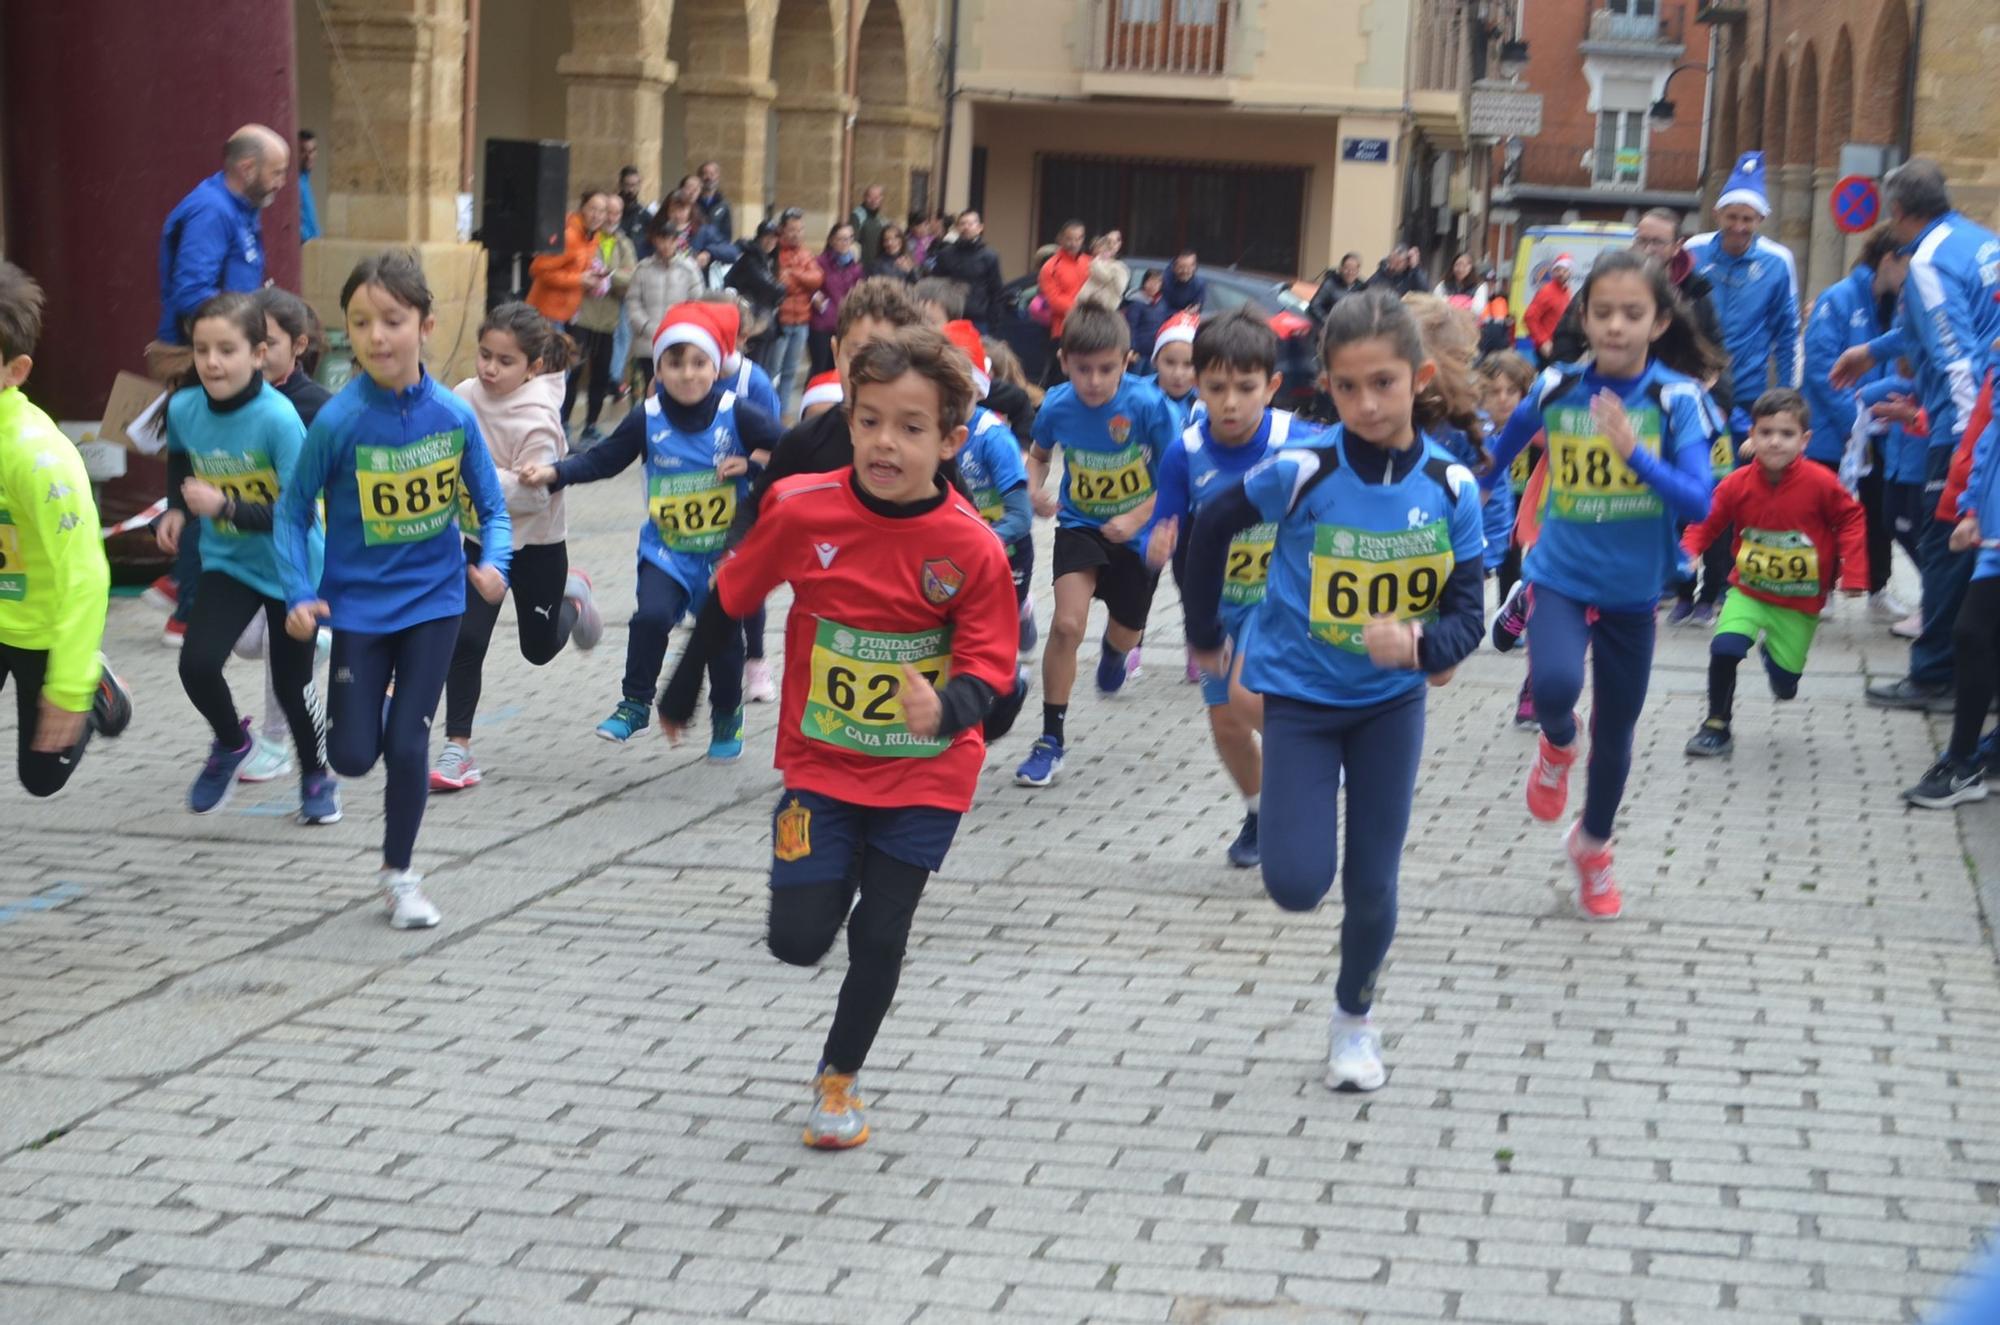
point(1354, 1054)
point(1886, 607)
point(1909, 627)
point(403, 891)
point(271, 760)
point(758, 686)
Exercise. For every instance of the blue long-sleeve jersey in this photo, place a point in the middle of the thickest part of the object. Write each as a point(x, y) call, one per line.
point(1757, 303)
point(990, 465)
point(1904, 456)
point(392, 464)
point(1947, 320)
point(1607, 524)
point(212, 241)
point(1843, 316)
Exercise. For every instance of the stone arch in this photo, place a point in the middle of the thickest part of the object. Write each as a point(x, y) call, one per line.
point(1750, 117)
point(1777, 106)
point(882, 64)
point(1726, 122)
point(1878, 116)
point(1836, 121)
point(808, 64)
point(1802, 120)
point(720, 106)
point(891, 137)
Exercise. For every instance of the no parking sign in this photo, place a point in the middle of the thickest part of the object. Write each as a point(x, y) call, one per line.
point(1856, 204)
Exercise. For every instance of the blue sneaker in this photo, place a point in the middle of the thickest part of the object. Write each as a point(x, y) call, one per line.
point(1031, 633)
point(1678, 614)
point(1702, 616)
point(725, 741)
point(1042, 764)
point(217, 779)
point(1244, 852)
point(626, 721)
point(1110, 670)
point(319, 799)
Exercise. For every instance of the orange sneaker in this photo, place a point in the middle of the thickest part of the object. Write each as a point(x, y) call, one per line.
point(1548, 779)
point(836, 1121)
point(1596, 891)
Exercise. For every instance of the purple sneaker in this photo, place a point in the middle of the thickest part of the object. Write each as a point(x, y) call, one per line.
point(217, 778)
point(1511, 621)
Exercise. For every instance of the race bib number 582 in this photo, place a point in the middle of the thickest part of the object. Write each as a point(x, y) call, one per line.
point(408, 493)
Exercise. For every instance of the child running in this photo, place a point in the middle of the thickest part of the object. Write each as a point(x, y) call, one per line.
point(390, 452)
point(1505, 378)
point(1375, 586)
point(231, 440)
point(1173, 364)
point(1629, 436)
point(992, 475)
point(515, 397)
point(54, 581)
point(1235, 362)
point(901, 638)
point(1793, 525)
point(1112, 429)
point(696, 439)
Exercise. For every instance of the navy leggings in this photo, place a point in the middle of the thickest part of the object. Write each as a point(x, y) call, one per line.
point(663, 601)
point(1305, 748)
point(416, 659)
point(1561, 631)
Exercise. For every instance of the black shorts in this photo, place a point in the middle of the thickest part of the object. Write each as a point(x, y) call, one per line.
point(1125, 582)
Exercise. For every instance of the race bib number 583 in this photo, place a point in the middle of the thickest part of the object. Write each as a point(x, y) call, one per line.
point(408, 493)
point(1360, 574)
point(1589, 481)
point(855, 698)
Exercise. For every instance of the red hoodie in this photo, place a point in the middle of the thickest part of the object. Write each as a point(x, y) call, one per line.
point(1789, 535)
point(1961, 456)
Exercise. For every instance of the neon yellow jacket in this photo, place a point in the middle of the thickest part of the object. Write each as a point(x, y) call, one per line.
point(54, 581)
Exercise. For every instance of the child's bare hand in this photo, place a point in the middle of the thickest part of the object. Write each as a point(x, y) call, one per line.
point(202, 498)
point(922, 709)
point(1044, 503)
point(56, 729)
point(491, 584)
point(1160, 547)
point(1965, 534)
point(302, 622)
point(1441, 678)
point(1212, 661)
point(536, 476)
point(732, 466)
point(167, 533)
point(1120, 528)
point(1607, 411)
point(672, 730)
point(1391, 644)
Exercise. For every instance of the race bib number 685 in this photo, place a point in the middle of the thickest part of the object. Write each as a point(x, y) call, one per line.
point(408, 493)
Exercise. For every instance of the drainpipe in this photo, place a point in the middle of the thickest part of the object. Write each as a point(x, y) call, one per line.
point(852, 84)
point(468, 145)
point(950, 102)
point(1906, 140)
point(1707, 113)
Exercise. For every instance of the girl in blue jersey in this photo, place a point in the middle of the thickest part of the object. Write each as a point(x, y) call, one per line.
point(1629, 432)
point(231, 439)
point(1376, 584)
point(390, 452)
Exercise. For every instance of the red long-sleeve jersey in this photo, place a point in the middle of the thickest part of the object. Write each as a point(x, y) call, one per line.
point(1790, 535)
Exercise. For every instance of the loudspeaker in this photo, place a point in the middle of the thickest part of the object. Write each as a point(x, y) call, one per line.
point(527, 195)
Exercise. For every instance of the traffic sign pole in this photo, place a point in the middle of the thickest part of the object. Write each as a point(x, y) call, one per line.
point(1856, 204)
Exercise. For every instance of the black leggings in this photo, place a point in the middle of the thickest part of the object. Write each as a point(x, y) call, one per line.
point(222, 608)
point(1975, 642)
point(593, 362)
point(416, 659)
point(805, 920)
point(1880, 538)
point(42, 773)
point(541, 612)
point(662, 603)
point(753, 634)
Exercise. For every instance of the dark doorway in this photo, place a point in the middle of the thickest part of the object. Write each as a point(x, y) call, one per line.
point(1233, 216)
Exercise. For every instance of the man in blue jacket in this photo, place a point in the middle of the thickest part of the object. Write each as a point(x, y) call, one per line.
point(1184, 288)
point(213, 241)
point(1945, 326)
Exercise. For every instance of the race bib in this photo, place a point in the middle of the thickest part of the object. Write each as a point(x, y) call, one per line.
point(1359, 574)
point(468, 516)
point(1517, 473)
point(1103, 484)
point(692, 510)
point(1722, 456)
point(1248, 565)
point(1783, 563)
point(13, 572)
point(408, 493)
point(247, 479)
point(1588, 480)
point(855, 697)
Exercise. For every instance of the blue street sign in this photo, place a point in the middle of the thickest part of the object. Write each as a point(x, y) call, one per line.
point(1364, 149)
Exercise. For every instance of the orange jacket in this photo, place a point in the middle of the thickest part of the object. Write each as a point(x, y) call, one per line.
point(1545, 310)
point(799, 269)
point(1062, 276)
point(557, 291)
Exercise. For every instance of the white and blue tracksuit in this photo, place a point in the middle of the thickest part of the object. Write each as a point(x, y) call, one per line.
point(1757, 302)
point(1844, 316)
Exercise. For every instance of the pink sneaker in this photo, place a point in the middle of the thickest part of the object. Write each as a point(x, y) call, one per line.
point(1597, 894)
point(1548, 779)
point(1524, 711)
point(1193, 672)
point(1132, 664)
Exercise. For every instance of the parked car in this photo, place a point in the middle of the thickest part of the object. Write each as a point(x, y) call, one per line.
point(1228, 290)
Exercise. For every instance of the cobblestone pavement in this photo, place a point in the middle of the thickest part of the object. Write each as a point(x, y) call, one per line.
point(228, 1092)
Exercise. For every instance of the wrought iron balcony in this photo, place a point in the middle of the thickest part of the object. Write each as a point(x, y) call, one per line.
point(1183, 38)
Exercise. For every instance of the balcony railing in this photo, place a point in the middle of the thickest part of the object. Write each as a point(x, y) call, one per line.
point(1611, 27)
point(1584, 166)
point(1189, 38)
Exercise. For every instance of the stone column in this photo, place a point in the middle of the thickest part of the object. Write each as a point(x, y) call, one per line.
point(890, 142)
point(729, 120)
point(616, 75)
point(1827, 260)
point(1791, 199)
point(398, 108)
point(810, 128)
point(1958, 103)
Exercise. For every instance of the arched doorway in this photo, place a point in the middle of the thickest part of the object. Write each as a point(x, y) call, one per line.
point(809, 68)
point(1878, 112)
point(719, 106)
point(891, 147)
point(1801, 215)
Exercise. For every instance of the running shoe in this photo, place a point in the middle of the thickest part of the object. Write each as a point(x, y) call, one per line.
point(725, 740)
point(1524, 710)
point(1193, 677)
point(1354, 1054)
point(589, 626)
point(1132, 664)
point(1548, 779)
point(1044, 761)
point(1596, 891)
point(111, 706)
point(1903, 693)
point(1680, 612)
point(454, 770)
point(1702, 617)
point(836, 1121)
point(175, 633)
point(1885, 607)
point(403, 895)
point(1031, 633)
point(758, 685)
point(1948, 783)
point(1112, 671)
point(1909, 627)
point(1243, 852)
point(217, 778)
point(589, 437)
point(270, 761)
point(1511, 621)
point(319, 799)
point(626, 721)
point(1710, 739)
point(162, 594)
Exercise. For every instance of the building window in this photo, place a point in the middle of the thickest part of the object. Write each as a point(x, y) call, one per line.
point(1635, 8)
point(1138, 11)
point(1620, 159)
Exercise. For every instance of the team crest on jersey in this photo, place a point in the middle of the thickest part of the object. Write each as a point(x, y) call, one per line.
point(1120, 428)
point(791, 835)
point(942, 580)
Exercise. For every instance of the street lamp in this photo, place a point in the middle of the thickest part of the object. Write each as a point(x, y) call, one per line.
point(1661, 113)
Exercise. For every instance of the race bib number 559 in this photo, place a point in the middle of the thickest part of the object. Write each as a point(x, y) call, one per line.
point(408, 493)
point(855, 697)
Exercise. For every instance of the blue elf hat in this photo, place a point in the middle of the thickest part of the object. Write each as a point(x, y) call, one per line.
point(1746, 184)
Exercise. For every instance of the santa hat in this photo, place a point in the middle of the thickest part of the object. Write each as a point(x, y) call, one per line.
point(1565, 261)
point(966, 337)
point(823, 390)
point(1746, 185)
point(1176, 330)
point(710, 328)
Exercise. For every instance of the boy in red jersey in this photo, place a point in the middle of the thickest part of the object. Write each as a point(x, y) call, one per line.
point(1794, 525)
point(901, 637)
